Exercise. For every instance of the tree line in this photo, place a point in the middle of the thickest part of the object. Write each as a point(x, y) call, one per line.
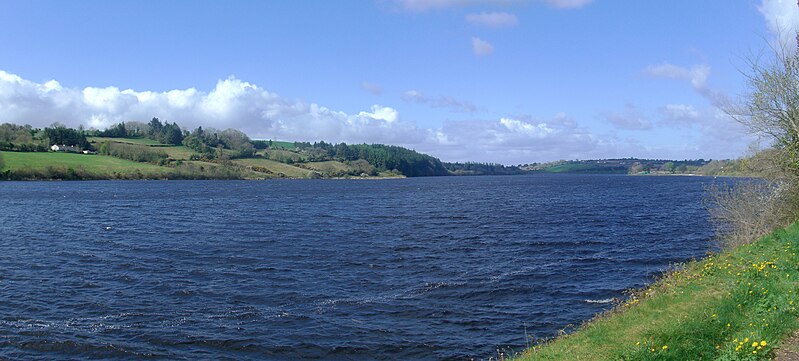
point(383, 157)
point(476, 168)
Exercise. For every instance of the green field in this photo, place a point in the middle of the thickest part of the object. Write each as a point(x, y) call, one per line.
point(94, 163)
point(330, 166)
point(285, 145)
point(583, 168)
point(280, 154)
point(178, 152)
point(738, 305)
point(275, 167)
point(140, 141)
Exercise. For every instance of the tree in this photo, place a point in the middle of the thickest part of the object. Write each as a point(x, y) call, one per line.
point(668, 167)
point(771, 106)
point(2, 162)
point(136, 129)
point(155, 127)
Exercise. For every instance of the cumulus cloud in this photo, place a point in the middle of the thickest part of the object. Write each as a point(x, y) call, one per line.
point(234, 103)
point(481, 47)
point(374, 89)
point(782, 19)
point(493, 19)
point(629, 119)
point(519, 139)
point(415, 96)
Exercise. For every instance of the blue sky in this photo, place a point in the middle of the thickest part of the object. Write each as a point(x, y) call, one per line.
point(507, 81)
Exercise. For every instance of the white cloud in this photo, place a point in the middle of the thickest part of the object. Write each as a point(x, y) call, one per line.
point(518, 139)
point(567, 4)
point(481, 47)
point(679, 115)
point(493, 19)
point(697, 75)
point(782, 19)
point(390, 115)
point(233, 103)
point(415, 96)
point(539, 130)
point(629, 118)
point(374, 89)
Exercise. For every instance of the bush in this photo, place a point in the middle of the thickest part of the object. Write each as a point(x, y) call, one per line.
point(746, 210)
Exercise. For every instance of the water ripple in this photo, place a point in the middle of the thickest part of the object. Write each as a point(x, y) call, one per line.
point(436, 268)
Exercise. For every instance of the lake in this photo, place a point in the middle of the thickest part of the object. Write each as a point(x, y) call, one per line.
point(421, 268)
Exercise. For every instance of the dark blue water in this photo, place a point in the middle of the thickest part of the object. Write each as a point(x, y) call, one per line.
point(426, 268)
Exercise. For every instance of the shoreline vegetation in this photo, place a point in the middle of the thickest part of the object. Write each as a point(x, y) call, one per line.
point(739, 304)
point(163, 150)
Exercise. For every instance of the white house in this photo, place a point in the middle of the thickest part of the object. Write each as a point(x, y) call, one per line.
point(63, 148)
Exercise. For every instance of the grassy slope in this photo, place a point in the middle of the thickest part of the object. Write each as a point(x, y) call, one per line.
point(714, 309)
point(178, 152)
point(275, 167)
point(174, 152)
point(283, 153)
point(281, 144)
point(328, 166)
point(94, 163)
point(102, 165)
point(140, 141)
point(582, 168)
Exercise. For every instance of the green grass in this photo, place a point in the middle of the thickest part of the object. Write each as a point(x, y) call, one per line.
point(582, 168)
point(330, 166)
point(140, 141)
point(275, 167)
point(178, 152)
point(278, 154)
point(712, 309)
point(175, 152)
point(93, 163)
point(284, 145)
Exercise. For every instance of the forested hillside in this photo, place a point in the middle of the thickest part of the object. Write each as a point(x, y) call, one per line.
point(198, 153)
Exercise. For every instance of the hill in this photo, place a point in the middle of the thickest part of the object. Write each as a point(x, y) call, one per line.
point(159, 150)
point(619, 166)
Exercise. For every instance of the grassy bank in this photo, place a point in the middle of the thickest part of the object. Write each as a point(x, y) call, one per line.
point(16, 161)
point(72, 166)
point(737, 305)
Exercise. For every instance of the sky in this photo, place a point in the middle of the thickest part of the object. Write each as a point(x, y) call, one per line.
point(502, 81)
